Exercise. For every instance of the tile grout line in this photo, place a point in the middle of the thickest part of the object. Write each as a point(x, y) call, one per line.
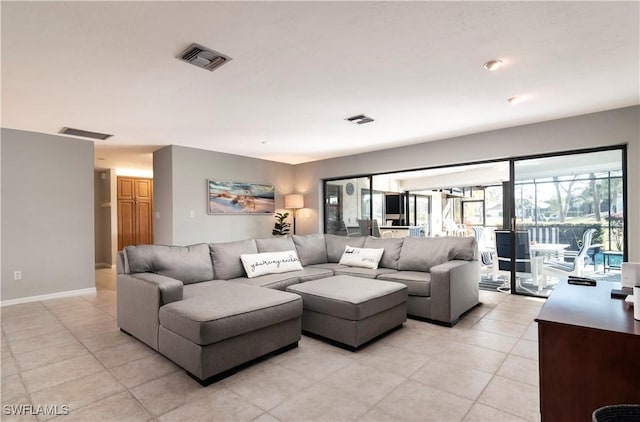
point(495, 374)
point(89, 352)
point(109, 369)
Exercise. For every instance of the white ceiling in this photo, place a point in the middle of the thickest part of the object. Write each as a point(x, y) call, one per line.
point(300, 68)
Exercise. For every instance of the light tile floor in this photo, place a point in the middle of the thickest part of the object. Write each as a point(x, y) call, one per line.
point(70, 352)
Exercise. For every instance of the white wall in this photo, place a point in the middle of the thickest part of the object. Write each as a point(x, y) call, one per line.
point(180, 186)
point(613, 127)
point(47, 214)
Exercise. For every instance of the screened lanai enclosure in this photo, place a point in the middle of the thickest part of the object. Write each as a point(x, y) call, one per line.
point(536, 219)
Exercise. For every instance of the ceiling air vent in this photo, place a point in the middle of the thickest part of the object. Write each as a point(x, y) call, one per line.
point(84, 133)
point(359, 119)
point(203, 57)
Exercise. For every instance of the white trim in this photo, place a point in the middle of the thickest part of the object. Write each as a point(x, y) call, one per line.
point(80, 292)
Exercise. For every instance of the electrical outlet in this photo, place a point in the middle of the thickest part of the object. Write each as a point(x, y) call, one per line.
point(17, 275)
point(192, 214)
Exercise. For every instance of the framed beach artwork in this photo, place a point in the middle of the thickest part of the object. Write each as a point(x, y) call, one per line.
point(225, 197)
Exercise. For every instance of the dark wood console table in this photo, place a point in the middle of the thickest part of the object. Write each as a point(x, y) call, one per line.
point(589, 352)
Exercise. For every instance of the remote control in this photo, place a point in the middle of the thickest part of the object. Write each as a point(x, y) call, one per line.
point(582, 281)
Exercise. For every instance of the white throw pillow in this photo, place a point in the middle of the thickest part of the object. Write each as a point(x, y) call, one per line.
point(256, 264)
point(361, 257)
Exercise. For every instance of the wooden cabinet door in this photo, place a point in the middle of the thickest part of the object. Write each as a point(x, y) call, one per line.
point(144, 211)
point(135, 211)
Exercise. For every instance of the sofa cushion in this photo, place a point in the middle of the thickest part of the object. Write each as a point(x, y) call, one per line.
point(283, 280)
point(313, 273)
point(361, 257)
point(257, 264)
point(227, 309)
point(326, 266)
point(272, 281)
point(189, 264)
point(275, 244)
point(418, 283)
point(311, 248)
point(226, 257)
point(422, 253)
point(391, 247)
point(362, 272)
point(199, 289)
point(336, 244)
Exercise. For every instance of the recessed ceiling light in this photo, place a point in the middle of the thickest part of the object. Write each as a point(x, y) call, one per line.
point(515, 100)
point(493, 65)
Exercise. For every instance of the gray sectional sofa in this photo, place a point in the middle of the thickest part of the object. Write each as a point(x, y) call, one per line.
point(197, 306)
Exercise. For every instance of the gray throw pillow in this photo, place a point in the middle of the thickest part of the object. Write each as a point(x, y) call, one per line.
point(275, 244)
point(462, 248)
point(226, 258)
point(311, 249)
point(336, 244)
point(391, 247)
point(419, 254)
point(189, 264)
point(423, 253)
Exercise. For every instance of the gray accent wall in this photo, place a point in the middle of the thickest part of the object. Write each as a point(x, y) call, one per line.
point(613, 127)
point(47, 213)
point(180, 187)
point(102, 217)
point(163, 196)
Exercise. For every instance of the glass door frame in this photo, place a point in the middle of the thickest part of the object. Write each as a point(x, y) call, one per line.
point(326, 214)
point(512, 219)
point(508, 190)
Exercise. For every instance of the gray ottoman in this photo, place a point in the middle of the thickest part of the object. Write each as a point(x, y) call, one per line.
point(221, 325)
point(351, 310)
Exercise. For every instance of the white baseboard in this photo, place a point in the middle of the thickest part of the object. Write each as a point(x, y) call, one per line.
point(80, 292)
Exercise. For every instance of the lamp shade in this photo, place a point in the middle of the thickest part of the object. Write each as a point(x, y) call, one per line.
point(294, 201)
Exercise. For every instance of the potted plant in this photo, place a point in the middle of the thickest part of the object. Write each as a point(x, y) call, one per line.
point(282, 226)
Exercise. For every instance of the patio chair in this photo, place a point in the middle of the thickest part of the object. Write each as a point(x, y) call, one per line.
point(487, 254)
point(575, 267)
point(523, 259)
point(416, 231)
point(544, 234)
point(345, 229)
point(451, 228)
point(368, 227)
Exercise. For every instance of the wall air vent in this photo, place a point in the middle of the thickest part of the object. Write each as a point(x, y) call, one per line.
point(359, 119)
point(203, 57)
point(84, 133)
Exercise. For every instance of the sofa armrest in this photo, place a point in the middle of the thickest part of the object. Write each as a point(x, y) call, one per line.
point(454, 289)
point(140, 297)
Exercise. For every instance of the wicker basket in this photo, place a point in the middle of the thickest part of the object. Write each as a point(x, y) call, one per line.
point(617, 413)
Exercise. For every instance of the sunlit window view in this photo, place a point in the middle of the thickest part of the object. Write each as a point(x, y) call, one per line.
point(572, 209)
point(564, 213)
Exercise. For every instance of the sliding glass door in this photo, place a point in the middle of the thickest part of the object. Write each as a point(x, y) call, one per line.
point(348, 206)
point(568, 216)
point(537, 219)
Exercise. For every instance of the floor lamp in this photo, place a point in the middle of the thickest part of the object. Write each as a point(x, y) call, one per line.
point(294, 202)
